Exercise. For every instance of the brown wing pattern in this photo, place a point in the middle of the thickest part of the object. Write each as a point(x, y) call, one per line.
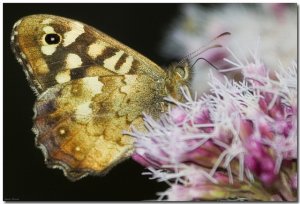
point(78, 47)
point(79, 124)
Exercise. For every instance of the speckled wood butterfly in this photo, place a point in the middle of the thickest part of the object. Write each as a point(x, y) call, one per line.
point(89, 88)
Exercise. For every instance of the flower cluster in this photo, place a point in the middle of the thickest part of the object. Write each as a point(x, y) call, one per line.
point(239, 141)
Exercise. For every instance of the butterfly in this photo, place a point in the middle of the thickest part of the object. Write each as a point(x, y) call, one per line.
point(90, 88)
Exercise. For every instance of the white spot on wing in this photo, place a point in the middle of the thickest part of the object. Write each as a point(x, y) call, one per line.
point(47, 21)
point(23, 55)
point(126, 66)
point(72, 35)
point(48, 29)
point(93, 85)
point(63, 77)
point(48, 49)
point(73, 61)
point(17, 23)
point(29, 68)
point(62, 131)
point(19, 60)
point(96, 49)
point(111, 62)
point(83, 111)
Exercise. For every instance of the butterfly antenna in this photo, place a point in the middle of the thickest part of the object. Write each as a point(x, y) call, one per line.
point(211, 64)
point(204, 48)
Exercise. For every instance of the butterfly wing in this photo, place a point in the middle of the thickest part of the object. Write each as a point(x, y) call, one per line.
point(55, 50)
point(79, 124)
point(90, 88)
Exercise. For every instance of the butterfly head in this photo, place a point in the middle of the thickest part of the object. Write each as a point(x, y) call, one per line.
point(178, 76)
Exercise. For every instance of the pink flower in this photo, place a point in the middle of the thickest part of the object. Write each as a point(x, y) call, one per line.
point(238, 141)
point(294, 182)
point(178, 115)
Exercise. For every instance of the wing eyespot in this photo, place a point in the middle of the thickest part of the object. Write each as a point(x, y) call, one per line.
point(52, 39)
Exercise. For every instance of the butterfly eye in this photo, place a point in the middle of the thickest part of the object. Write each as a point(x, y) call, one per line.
point(52, 39)
point(182, 72)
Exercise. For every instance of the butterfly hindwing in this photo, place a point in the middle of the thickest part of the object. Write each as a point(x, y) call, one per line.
point(79, 123)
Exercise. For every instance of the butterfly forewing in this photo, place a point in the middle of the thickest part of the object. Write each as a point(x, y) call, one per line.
point(56, 50)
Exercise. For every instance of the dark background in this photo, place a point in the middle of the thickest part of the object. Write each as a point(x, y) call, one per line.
point(26, 177)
